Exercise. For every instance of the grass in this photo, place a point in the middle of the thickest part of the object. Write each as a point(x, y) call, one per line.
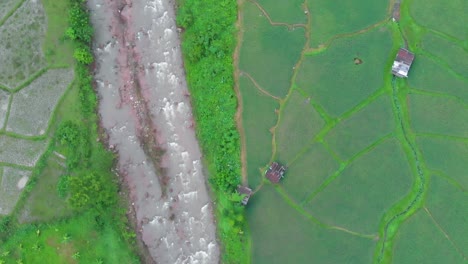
point(32, 107)
point(298, 124)
point(43, 203)
point(429, 76)
point(57, 50)
point(330, 19)
point(290, 12)
point(362, 129)
point(260, 56)
point(281, 234)
point(425, 109)
point(446, 156)
point(75, 240)
point(301, 179)
point(335, 82)
point(445, 16)
point(358, 198)
point(257, 122)
point(446, 205)
point(456, 57)
point(420, 241)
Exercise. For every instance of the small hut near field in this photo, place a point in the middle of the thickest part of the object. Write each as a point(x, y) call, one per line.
point(246, 191)
point(275, 172)
point(402, 63)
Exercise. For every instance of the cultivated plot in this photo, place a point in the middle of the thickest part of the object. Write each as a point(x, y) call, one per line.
point(32, 107)
point(308, 171)
point(20, 49)
point(330, 19)
point(362, 129)
point(446, 156)
point(454, 56)
point(427, 75)
point(21, 151)
point(12, 183)
point(448, 17)
point(447, 206)
point(419, 240)
point(4, 101)
point(358, 198)
point(334, 80)
point(280, 234)
point(6, 6)
point(269, 53)
point(429, 114)
point(299, 123)
point(290, 12)
point(258, 117)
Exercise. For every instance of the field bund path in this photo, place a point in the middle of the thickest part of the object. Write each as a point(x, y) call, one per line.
point(146, 113)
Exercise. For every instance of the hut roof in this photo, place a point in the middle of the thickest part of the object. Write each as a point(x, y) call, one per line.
point(402, 63)
point(275, 172)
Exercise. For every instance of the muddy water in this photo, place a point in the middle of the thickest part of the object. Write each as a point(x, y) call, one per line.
point(145, 110)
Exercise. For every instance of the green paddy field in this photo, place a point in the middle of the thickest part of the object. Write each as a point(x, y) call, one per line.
point(376, 164)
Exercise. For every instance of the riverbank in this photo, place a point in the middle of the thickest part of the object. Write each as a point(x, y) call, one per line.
point(146, 112)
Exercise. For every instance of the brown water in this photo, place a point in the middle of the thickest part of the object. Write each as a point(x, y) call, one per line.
point(146, 112)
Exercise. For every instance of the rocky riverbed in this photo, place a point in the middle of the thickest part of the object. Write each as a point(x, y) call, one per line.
point(145, 110)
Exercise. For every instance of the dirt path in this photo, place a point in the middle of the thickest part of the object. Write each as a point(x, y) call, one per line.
point(146, 112)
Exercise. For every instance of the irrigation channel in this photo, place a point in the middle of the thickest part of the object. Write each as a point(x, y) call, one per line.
point(145, 110)
point(413, 155)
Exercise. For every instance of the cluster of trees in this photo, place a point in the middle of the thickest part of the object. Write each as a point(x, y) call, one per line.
point(89, 186)
point(208, 46)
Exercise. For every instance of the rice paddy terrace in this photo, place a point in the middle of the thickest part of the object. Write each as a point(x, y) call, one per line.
point(376, 164)
point(31, 86)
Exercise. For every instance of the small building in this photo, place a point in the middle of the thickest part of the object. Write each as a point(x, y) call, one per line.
point(402, 63)
point(275, 172)
point(246, 191)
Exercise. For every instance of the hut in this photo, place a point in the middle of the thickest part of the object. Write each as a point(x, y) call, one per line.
point(246, 191)
point(275, 172)
point(396, 12)
point(402, 63)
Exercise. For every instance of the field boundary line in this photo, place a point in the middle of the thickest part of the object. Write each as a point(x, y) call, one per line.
point(437, 94)
point(290, 201)
point(318, 108)
point(240, 108)
point(441, 62)
point(265, 13)
point(292, 81)
point(445, 233)
point(321, 47)
point(30, 80)
point(336, 121)
point(13, 134)
point(5, 88)
point(17, 166)
point(443, 136)
point(11, 12)
point(343, 166)
point(451, 180)
point(263, 91)
point(7, 114)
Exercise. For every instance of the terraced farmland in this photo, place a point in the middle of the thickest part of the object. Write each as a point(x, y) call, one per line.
point(29, 93)
point(376, 164)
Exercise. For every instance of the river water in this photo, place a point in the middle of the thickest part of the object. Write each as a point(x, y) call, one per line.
point(146, 113)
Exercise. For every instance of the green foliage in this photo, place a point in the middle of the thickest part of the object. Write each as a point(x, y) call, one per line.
point(91, 190)
point(62, 186)
point(208, 46)
point(80, 27)
point(83, 55)
point(75, 139)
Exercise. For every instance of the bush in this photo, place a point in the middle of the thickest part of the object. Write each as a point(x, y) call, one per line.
point(83, 55)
